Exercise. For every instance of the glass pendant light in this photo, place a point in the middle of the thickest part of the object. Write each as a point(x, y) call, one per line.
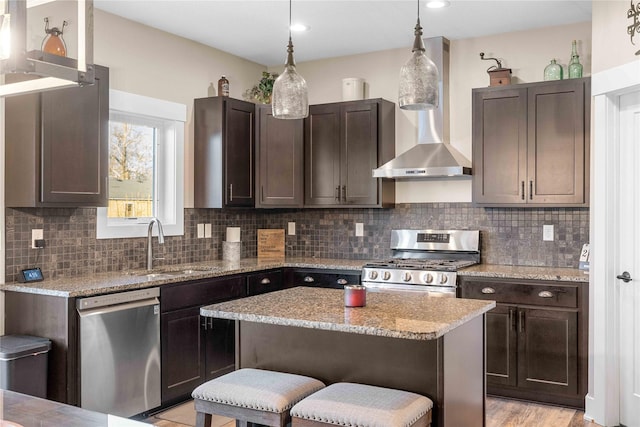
point(418, 77)
point(290, 98)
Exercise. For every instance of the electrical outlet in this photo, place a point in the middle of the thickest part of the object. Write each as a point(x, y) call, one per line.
point(547, 233)
point(36, 234)
point(291, 228)
point(200, 231)
point(359, 229)
point(207, 231)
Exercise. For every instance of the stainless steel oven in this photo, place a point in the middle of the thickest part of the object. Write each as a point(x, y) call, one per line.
point(424, 261)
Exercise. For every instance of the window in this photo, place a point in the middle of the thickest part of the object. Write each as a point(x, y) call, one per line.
point(146, 166)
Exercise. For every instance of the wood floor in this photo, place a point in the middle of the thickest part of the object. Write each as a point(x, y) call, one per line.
point(500, 413)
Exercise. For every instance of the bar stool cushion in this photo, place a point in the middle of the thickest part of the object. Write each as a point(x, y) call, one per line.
point(258, 389)
point(348, 404)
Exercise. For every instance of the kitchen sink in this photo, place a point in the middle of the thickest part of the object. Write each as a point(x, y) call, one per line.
point(168, 272)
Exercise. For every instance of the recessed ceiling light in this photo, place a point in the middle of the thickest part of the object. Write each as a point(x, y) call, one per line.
point(299, 28)
point(437, 4)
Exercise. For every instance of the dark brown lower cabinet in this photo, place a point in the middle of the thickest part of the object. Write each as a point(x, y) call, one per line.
point(536, 338)
point(319, 278)
point(195, 349)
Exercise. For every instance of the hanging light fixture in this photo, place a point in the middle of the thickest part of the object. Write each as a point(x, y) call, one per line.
point(290, 98)
point(418, 77)
point(52, 71)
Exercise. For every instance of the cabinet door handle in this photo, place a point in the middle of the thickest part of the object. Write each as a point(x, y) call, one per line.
point(338, 193)
point(344, 193)
point(342, 281)
point(488, 290)
point(230, 192)
point(204, 322)
point(265, 281)
point(531, 190)
point(545, 294)
point(308, 279)
point(521, 319)
point(512, 319)
point(262, 193)
point(522, 190)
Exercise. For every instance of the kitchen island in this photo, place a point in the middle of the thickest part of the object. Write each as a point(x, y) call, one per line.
point(431, 346)
point(21, 410)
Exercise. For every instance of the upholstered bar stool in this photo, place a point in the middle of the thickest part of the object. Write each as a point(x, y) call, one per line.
point(347, 404)
point(252, 395)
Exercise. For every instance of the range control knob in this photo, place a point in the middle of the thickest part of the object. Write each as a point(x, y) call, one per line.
point(406, 276)
point(428, 278)
point(386, 275)
point(373, 275)
point(443, 279)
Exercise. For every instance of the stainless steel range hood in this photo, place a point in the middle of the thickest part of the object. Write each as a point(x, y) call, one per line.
point(433, 156)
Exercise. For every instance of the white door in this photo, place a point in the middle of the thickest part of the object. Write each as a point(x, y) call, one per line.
point(629, 259)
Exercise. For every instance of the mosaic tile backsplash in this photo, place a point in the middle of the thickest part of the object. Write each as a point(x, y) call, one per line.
point(511, 236)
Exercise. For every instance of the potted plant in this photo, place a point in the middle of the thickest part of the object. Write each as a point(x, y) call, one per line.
point(261, 92)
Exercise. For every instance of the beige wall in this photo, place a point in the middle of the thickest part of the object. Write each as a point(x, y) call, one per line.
point(526, 52)
point(611, 43)
point(148, 62)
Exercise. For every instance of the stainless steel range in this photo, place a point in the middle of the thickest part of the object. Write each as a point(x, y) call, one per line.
point(424, 261)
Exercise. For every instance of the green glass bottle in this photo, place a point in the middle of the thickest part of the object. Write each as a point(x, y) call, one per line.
point(575, 67)
point(553, 71)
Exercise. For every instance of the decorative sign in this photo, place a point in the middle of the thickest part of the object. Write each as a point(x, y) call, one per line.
point(270, 243)
point(634, 13)
point(584, 258)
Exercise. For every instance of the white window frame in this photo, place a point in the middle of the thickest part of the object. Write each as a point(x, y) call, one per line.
point(168, 170)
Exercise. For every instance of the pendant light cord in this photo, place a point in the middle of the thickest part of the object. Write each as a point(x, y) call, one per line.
point(290, 19)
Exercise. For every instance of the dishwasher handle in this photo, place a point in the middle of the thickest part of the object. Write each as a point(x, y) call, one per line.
point(120, 307)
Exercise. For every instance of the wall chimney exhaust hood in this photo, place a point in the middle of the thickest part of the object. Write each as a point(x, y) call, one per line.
point(433, 156)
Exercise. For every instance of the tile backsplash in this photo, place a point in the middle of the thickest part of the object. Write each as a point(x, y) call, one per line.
point(511, 236)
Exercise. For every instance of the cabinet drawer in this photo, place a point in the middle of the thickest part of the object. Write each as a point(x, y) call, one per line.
point(201, 292)
point(335, 280)
point(550, 295)
point(264, 282)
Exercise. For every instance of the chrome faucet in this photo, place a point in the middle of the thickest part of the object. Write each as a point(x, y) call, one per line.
point(150, 258)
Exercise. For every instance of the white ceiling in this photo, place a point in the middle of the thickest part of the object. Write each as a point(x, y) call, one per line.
point(257, 30)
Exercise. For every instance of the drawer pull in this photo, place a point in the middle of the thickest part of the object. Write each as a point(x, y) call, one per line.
point(265, 281)
point(545, 294)
point(309, 279)
point(342, 281)
point(488, 290)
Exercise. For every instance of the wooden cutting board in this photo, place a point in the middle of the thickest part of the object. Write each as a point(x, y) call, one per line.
point(270, 243)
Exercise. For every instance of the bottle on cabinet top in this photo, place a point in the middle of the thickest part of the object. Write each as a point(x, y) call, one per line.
point(575, 67)
point(553, 71)
point(223, 86)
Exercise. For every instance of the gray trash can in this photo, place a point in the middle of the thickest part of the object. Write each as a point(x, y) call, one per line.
point(23, 364)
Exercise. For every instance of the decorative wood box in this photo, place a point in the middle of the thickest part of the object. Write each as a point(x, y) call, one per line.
point(500, 77)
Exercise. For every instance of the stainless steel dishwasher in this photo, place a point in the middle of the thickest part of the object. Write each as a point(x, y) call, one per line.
point(120, 352)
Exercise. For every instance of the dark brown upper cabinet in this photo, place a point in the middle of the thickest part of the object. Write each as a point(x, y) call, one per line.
point(280, 161)
point(531, 144)
point(223, 153)
point(57, 146)
point(344, 142)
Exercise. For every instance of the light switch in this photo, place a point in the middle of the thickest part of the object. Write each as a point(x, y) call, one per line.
point(359, 229)
point(200, 231)
point(207, 231)
point(291, 228)
point(547, 233)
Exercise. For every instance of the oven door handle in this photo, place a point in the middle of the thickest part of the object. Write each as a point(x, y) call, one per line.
point(435, 291)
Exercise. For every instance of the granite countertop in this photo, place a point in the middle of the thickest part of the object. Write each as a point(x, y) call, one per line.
point(525, 272)
point(21, 410)
point(119, 281)
point(388, 314)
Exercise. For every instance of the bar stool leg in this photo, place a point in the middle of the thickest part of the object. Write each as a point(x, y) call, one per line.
point(203, 420)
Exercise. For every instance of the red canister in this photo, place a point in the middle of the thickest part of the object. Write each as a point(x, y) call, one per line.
point(355, 296)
